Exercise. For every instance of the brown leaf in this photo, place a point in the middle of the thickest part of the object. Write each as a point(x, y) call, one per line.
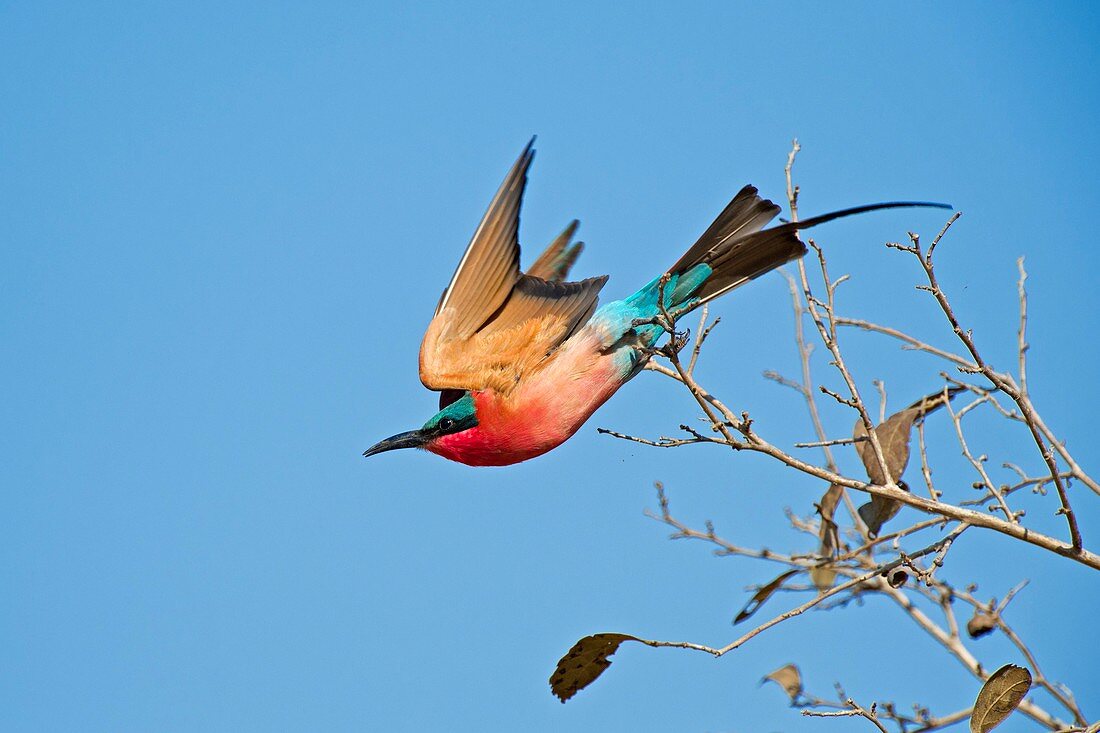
point(999, 696)
point(828, 534)
point(824, 575)
point(762, 595)
point(893, 437)
point(584, 663)
point(981, 623)
point(879, 510)
point(789, 678)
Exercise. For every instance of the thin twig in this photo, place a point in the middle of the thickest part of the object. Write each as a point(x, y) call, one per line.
point(835, 441)
point(1000, 381)
point(799, 610)
point(724, 419)
point(979, 465)
point(857, 710)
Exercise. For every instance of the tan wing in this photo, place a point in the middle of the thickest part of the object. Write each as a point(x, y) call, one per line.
point(554, 264)
point(490, 266)
point(493, 324)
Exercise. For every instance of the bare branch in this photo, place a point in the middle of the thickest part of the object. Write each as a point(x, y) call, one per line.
point(840, 575)
point(1002, 382)
point(857, 710)
point(799, 610)
point(835, 441)
point(979, 465)
point(1021, 345)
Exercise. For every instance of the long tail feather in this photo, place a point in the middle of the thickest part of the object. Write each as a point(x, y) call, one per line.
point(737, 249)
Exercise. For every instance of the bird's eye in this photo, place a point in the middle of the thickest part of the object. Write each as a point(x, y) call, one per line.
point(446, 423)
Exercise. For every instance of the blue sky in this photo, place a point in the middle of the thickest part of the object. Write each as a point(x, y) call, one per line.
point(225, 226)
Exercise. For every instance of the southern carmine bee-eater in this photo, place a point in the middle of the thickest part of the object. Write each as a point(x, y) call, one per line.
point(521, 360)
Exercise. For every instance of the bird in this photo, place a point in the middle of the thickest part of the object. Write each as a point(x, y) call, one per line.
point(522, 359)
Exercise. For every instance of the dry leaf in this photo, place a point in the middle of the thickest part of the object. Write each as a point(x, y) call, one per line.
point(879, 510)
point(828, 534)
point(762, 595)
point(893, 437)
point(584, 663)
point(981, 623)
point(823, 576)
point(789, 678)
point(999, 696)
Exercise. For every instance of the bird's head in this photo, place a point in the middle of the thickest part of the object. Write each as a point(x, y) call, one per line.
point(456, 417)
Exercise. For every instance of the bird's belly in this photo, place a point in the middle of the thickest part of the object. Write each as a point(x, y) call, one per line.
point(542, 413)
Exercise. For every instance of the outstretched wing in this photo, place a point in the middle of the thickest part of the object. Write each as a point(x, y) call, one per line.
point(554, 263)
point(494, 324)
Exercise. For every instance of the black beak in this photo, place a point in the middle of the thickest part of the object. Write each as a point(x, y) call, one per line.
point(411, 439)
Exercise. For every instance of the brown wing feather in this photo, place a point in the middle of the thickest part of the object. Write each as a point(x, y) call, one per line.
point(497, 360)
point(536, 319)
point(537, 298)
point(556, 261)
point(494, 325)
point(490, 266)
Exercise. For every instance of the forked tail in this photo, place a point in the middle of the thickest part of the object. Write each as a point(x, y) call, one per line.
point(736, 248)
